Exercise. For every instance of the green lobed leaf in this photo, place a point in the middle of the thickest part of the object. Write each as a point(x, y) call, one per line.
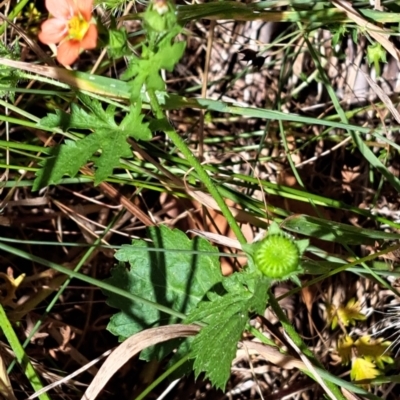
point(134, 126)
point(160, 17)
point(114, 146)
point(155, 21)
point(176, 279)
point(107, 138)
point(117, 43)
point(78, 118)
point(215, 346)
point(169, 54)
point(9, 77)
point(65, 160)
point(259, 299)
point(146, 69)
point(234, 283)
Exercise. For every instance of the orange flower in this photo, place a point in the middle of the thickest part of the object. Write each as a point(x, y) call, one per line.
point(72, 27)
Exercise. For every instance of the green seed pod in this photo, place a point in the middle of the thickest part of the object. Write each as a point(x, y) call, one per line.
point(277, 256)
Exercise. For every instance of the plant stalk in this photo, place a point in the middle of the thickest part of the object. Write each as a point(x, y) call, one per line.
point(195, 163)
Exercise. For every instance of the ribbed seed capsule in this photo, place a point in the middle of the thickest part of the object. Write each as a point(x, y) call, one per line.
point(277, 256)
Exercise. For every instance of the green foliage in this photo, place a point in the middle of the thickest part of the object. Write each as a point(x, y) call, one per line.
point(160, 16)
point(117, 43)
point(375, 55)
point(108, 139)
point(339, 32)
point(278, 256)
point(160, 52)
point(168, 270)
point(145, 70)
point(165, 271)
point(215, 346)
point(335, 231)
point(9, 77)
point(192, 284)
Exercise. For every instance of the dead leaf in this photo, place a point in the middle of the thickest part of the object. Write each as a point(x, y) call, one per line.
point(130, 347)
point(219, 239)
point(5, 384)
point(273, 355)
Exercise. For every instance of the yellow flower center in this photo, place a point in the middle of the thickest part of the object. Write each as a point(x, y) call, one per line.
point(77, 28)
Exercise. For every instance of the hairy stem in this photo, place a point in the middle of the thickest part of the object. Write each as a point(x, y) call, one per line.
point(195, 163)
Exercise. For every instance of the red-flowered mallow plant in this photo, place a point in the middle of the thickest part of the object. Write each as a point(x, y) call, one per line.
point(71, 26)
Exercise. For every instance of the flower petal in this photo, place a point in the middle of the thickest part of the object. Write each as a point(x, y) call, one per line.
point(90, 39)
point(85, 8)
point(62, 9)
point(68, 52)
point(53, 31)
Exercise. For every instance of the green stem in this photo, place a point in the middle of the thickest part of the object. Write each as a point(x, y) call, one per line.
point(162, 377)
point(195, 163)
point(17, 9)
point(298, 341)
point(20, 354)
